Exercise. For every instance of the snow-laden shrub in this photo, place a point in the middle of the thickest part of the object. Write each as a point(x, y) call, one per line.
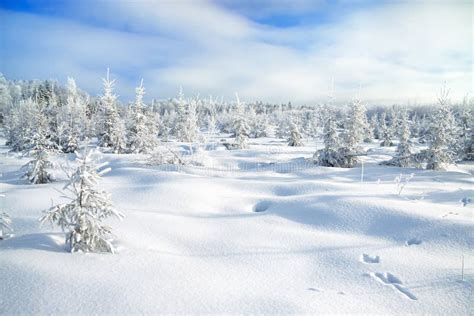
point(163, 155)
point(82, 218)
point(5, 226)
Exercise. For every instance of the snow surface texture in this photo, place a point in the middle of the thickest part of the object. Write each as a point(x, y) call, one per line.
point(252, 231)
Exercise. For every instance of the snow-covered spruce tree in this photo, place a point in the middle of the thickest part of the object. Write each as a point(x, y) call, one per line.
point(241, 127)
point(72, 119)
point(441, 135)
point(20, 124)
point(404, 157)
point(374, 125)
point(37, 169)
point(192, 121)
point(5, 225)
point(83, 217)
point(386, 131)
point(329, 156)
point(354, 134)
point(465, 146)
point(5, 97)
point(295, 139)
point(141, 138)
point(112, 132)
point(185, 128)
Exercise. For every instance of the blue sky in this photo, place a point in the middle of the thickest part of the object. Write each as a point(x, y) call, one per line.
point(279, 51)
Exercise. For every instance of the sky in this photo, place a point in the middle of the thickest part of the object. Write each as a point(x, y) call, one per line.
point(301, 51)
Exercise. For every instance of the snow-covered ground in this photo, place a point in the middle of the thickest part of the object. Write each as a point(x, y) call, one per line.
point(259, 230)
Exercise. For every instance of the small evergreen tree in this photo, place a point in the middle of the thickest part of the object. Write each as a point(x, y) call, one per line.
point(330, 155)
point(355, 126)
point(441, 135)
point(295, 139)
point(374, 125)
point(386, 131)
point(404, 157)
point(37, 169)
point(141, 136)
point(241, 127)
point(83, 217)
point(112, 127)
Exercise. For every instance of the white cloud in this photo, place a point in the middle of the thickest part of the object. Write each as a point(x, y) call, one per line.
point(398, 52)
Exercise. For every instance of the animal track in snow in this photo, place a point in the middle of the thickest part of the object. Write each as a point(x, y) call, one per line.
point(413, 241)
point(261, 206)
point(391, 280)
point(365, 258)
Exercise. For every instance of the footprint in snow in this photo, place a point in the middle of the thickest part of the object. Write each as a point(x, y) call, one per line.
point(391, 280)
point(365, 258)
point(413, 241)
point(261, 206)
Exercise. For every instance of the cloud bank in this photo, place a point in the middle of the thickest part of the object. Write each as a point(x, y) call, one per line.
point(397, 52)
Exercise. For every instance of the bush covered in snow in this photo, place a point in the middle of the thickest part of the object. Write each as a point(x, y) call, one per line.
point(82, 218)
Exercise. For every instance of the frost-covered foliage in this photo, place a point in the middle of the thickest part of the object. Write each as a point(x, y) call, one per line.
point(164, 155)
point(295, 139)
point(5, 225)
point(141, 132)
point(387, 137)
point(405, 156)
point(241, 127)
point(37, 170)
point(401, 181)
point(356, 125)
point(71, 129)
point(465, 139)
point(83, 217)
point(334, 153)
point(329, 155)
point(441, 136)
point(186, 128)
point(112, 128)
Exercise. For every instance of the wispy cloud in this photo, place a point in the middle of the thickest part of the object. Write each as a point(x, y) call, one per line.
point(397, 51)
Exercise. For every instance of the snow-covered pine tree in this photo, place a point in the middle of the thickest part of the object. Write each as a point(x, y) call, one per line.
point(192, 121)
point(141, 137)
point(83, 217)
point(374, 125)
point(5, 225)
point(354, 134)
point(355, 126)
point(386, 131)
point(186, 127)
point(465, 146)
point(20, 124)
point(295, 139)
point(330, 155)
point(5, 97)
point(404, 157)
point(241, 127)
point(441, 135)
point(112, 133)
point(37, 169)
point(73, 119)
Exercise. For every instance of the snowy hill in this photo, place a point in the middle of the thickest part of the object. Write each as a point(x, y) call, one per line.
point(259, 230)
